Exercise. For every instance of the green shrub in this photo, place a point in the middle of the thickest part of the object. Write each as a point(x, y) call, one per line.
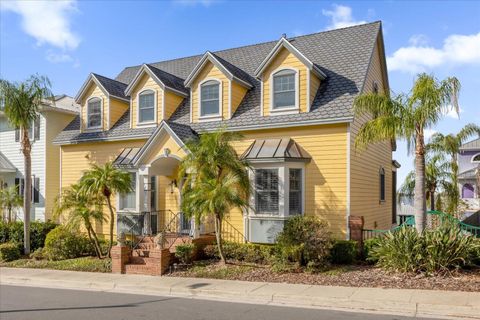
point(245, 252)
point(475, 253)
point(368, 246)
point(63, 244)
point(433, 251)
point(13, 232)
point(304, 241)
point(37, 254)
point(184, 252)
point(343, 252)
point(9, 251)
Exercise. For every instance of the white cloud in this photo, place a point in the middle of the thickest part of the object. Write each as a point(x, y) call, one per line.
point(341, 17)
point(47, 21)
point(205, 3)
point(418, 57)
point(418, 40)
point(453, 114)
point(55, 57)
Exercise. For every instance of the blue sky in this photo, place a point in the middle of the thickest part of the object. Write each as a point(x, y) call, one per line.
point(66, 40)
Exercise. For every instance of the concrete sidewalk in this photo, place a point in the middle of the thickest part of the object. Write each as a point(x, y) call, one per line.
point(419, 303)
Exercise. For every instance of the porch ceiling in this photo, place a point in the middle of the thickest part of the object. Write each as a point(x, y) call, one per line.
point(164, 166)
point(5, 164)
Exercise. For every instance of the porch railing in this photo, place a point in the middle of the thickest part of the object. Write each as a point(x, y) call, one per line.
point(230, 233)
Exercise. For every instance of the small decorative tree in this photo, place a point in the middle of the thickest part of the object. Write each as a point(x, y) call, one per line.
point(216, 180)
point(104, 181)
point(10, 200)
point(80, 209)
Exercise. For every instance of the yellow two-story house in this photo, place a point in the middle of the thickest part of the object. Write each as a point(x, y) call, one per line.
point(292, 100)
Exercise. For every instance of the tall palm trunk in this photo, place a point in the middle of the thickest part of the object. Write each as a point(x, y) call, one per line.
point(93, 238)
point(420, 206)
point(432, 199)
point(27, 192)
point(109, 203)
point(218, 235)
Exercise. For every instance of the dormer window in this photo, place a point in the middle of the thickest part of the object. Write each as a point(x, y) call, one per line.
point(94, 113)
point(146, 106)
point(210, 98)
point(284, 89)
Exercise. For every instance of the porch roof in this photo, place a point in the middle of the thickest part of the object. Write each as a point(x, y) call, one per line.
point(280, 149)
point(5, 164)
point(469, 174)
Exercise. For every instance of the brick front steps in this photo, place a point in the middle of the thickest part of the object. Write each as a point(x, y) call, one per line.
point(146, 259)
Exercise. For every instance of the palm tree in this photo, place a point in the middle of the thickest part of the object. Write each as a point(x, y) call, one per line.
point(22, 101)
point(80, 209)
point(407, 117)
point(216, 180)
point(103, 181)
point(437, 175)
point(450, 144)
point(9, 200)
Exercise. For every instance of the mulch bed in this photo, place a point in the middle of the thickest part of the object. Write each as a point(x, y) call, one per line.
point(351, 276)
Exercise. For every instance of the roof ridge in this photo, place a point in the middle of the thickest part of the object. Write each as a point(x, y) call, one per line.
point(256, 44)
point(150, 66)
point(99, 75)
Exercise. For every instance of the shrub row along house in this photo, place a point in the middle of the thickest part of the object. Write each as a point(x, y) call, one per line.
point(52, 118)
point(291, 99)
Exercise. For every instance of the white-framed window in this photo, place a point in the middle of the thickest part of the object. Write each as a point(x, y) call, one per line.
point(210, 95)
point(284, 93)
point(266, 191)
point(278, 193)
point(146, 106)
point(128, 201)
point(476, 158)
point(295, 197)
point(94, 113)
point(382, 184)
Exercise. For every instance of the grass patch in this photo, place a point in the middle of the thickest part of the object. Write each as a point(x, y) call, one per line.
point(205, 270)
point(89, 264)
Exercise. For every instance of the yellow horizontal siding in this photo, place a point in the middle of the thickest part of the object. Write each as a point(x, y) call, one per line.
point(365, 165)
point(94, 91)
point(209, 71)
point(238, 93)
point(117, 109)
point(145, 83)
point(76, 159)
point(172, 101)
point(326, 174)
point(285, 59)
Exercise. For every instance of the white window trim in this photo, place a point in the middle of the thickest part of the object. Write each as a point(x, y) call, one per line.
point(283, 189)
point(210, 117)
point(286, 110)
point(138, 186)
point(100, 127)
point(473, 157)
point(155, 108)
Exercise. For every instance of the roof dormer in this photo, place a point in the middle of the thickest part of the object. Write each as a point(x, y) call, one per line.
point(155, 95)
point(216, 89)
point(102, 102)
point(289, 80)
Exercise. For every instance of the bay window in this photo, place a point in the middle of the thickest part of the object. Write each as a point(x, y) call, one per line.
point(128, 201)
point(266, 191)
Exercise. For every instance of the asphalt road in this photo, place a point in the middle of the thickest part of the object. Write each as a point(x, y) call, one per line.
point(41, 303)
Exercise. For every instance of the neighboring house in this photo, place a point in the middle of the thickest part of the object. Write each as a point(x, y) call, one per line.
point(468, 164)
point(51, 120)
point(292, 100)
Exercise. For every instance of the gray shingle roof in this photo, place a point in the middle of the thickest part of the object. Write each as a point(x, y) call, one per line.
point(113, 87)
point(169, 79)
point(342, 54)
point(471, 145)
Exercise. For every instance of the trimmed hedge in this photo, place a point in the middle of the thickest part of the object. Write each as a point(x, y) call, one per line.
point(13, 232)
point(9, 251)
point(247, 252)
point(343, 251)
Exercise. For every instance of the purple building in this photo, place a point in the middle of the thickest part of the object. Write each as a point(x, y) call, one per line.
point(468, 164)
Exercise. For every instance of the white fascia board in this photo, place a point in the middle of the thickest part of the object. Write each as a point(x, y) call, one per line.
point(284, 43)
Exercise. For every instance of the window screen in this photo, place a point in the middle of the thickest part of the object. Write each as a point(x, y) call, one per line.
point(94, 109)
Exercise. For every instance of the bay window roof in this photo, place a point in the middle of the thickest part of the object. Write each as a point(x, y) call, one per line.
point(274, 150)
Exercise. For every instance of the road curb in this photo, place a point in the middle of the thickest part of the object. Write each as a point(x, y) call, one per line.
point(412, 303)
